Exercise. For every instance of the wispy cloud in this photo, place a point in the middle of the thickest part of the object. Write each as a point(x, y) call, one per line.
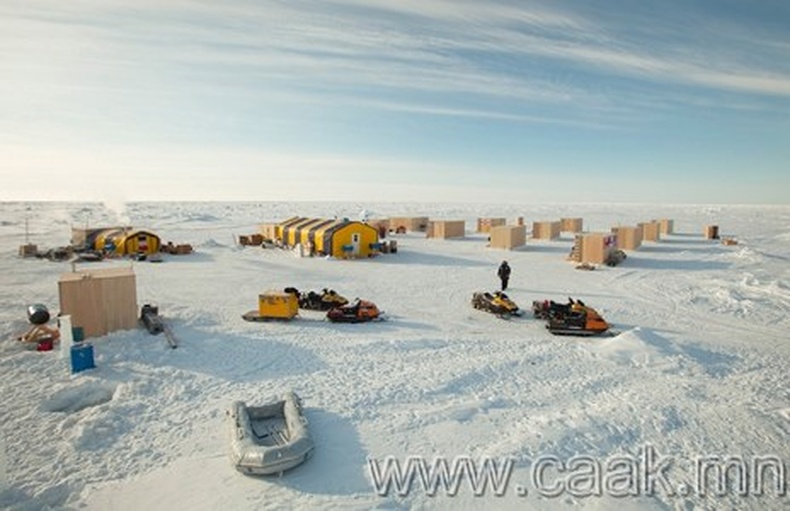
point(186, 73)
point(486, 50)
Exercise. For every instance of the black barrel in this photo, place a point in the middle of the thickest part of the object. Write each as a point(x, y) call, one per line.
point(37, 314)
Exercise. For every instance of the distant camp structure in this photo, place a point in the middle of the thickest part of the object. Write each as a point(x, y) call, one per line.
point(574, 225)
point(596, 248)
point(486, 224)
point(628, 237)
point(546, 230)
point(446, 229)
point(402, 225)
point(667, 225)
point(508, 237)
point(116, 240)
point(341, 238)
point(651, 231)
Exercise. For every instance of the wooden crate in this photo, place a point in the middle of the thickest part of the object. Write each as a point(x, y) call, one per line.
point(100, 300)
point(594, 247)
point(486, 224)
point(29, 250)
point(571, 225)
point(651, 231)
point(508, 236)
point(446, 229)
point(628, 237)
point(546, 230)
point(408, 224)
point(667, 226)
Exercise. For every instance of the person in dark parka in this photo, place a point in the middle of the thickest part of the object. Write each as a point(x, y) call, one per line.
point(504, 274)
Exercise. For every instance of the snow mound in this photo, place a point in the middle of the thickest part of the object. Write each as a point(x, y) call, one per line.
point(211, 243)
point(201, 217)
point(74, 399)
point(639, 347)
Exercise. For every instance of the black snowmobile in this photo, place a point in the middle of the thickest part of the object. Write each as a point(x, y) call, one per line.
point(360, 311)
point(573, 318)
point(323, 301)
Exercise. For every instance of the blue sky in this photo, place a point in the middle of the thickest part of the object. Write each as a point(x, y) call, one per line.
point(518, 101)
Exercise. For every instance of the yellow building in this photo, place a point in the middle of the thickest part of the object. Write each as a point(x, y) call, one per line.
point(337, 238)
point(126, 242)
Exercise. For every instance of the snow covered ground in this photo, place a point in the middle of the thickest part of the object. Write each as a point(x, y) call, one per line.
point(700, 367)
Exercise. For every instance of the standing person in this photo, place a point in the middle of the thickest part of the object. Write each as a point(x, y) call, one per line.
point(504, 274)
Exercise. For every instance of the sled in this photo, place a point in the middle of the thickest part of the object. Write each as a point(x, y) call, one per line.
point(256, 317)
point(274, 305)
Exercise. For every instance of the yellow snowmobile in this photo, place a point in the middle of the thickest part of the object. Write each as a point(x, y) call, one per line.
point(496, 303)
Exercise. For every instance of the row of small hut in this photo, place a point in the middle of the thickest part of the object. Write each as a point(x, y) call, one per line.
point(348, 239)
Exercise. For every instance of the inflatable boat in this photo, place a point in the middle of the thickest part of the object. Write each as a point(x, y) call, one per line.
point(270, 438)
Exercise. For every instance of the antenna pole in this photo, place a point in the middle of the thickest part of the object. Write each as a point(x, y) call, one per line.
point(27, 225)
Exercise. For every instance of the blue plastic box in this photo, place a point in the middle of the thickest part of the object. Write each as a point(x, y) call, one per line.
point(82, 357)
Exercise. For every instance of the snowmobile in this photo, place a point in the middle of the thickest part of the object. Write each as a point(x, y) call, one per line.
point(545, 309)
point(573, 318)
point(357, 312)
point(496, 303)
point(322, 301)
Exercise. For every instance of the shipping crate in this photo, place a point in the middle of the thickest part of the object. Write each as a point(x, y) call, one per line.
point(277, 305)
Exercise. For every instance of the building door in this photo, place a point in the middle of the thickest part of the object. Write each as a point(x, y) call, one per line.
point(142, 243)
point(355, 243)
